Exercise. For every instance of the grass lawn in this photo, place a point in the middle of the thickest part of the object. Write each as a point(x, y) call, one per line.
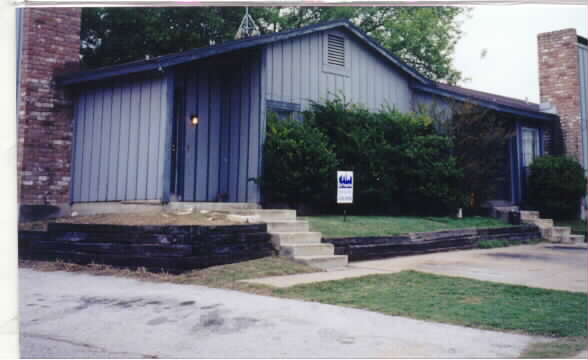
point(358, 226)
point(455, 300)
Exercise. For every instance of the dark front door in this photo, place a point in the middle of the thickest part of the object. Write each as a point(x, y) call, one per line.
point(178, 141)
point(530, 149)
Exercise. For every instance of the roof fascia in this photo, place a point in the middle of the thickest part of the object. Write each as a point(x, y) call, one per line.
point(487, 104)
point(165, 61)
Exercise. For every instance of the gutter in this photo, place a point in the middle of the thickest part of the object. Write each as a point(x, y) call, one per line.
point(487, 104)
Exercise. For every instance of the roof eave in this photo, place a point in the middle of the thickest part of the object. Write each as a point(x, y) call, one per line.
point(537, 115)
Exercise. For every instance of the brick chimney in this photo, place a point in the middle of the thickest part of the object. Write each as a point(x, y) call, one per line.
point(559, 84)
point(50, 46)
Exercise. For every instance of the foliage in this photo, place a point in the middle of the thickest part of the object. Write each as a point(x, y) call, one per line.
point(297, 160)
point(424, 37)
point(399, 163)
point(115, 35)
point(556, 185)
point(480, 140)
point(455, 300)
point(364, 226)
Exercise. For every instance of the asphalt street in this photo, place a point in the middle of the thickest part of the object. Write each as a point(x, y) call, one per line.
point(79, 315)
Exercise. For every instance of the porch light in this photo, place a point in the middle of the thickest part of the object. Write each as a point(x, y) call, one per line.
point(194, 119)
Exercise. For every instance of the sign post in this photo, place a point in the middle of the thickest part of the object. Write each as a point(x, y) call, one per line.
point(344, 189)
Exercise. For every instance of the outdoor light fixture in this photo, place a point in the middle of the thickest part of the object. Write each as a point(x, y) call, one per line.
point(194, 119)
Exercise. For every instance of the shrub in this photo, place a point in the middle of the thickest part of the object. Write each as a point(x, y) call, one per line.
point(298, 164)
point(400, 165)
point(431, 178)
point(556, 185)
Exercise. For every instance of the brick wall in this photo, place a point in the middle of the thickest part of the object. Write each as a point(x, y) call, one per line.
point(51, 45)
point(559, 84)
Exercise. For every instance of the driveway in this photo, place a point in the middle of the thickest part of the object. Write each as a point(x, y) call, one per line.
point(79, 315)
point(550, 266)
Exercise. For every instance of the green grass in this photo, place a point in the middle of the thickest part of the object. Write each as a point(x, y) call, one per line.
point(578, 226)
point(358, 226)
point(455, 300)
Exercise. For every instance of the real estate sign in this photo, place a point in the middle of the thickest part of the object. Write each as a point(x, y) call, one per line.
point(344, 187)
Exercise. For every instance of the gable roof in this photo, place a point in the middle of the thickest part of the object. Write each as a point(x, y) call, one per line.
point(162, 62)
point(487, 100)
point(422, 83)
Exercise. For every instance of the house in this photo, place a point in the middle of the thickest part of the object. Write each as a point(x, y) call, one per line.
point(190, 126)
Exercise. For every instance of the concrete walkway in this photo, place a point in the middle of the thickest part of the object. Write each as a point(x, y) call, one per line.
point(550, 266)
point(79, 315)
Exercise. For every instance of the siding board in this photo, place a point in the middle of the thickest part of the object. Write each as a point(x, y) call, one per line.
point(202, 151)
point(114, 142)
point(123, 162)
point(112, 153)
point(190, 137)
point(370, 81)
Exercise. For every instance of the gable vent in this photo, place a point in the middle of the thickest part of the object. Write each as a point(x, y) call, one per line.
point(335, 50)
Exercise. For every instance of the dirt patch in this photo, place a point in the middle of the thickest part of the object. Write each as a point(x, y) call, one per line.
point(222, 276)
point(136, 219)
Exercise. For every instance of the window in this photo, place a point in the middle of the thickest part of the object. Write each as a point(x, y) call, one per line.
point(530, 143)
point(336, 59)
point(284, 110)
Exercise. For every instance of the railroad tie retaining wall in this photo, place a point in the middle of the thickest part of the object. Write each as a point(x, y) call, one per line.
point(367, 248)
point(157, 248)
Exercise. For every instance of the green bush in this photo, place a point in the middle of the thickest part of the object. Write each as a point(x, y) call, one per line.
point(298, 163)
point(556, 185)
point(400, 165)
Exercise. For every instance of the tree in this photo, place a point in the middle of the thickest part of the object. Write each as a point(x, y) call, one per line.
point(116, 35)
point(423, 37)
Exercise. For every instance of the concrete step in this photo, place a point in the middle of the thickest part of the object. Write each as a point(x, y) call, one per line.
point(268, 214)
point(576, 239)
point(298, 250)
point(539, 222)
point(527, 215)
point(285, 238)
point(287, 226)
point(556, 233)
point(561, 230)
point(332, 262)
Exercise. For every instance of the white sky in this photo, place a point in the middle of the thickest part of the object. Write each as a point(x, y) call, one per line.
point(509, 35)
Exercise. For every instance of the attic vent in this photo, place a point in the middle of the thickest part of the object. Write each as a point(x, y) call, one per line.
point(336, 50)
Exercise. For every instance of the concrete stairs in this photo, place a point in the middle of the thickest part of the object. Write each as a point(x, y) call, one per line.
point(292, 238)
point(556, 234)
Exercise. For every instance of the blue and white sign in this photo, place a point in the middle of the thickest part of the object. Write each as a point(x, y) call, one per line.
point(344, 187)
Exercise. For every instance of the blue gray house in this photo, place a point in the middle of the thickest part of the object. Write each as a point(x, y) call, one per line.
point(190, 126)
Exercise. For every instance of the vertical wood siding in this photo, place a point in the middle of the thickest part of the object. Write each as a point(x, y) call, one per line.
point(119, 140)
point(295, 74)
point(222, 153)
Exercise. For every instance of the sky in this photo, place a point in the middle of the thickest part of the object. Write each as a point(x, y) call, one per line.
point(508, 36)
